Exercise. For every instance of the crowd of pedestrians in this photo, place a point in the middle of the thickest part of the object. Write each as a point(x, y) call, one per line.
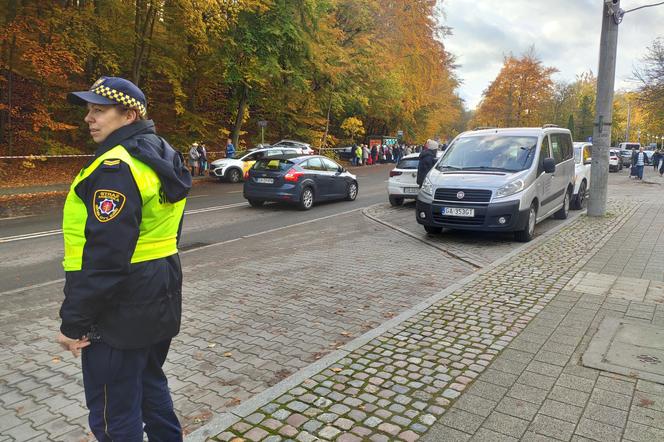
point(198, 161)
point(364, 155)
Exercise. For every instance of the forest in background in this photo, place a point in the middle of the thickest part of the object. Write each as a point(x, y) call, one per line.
point(321, 71)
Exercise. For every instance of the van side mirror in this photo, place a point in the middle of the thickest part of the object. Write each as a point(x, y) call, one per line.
point(549, 165)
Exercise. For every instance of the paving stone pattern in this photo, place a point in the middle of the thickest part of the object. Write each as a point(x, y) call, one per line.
point(637, 251)
point(480, 248)
point(255, 311)
point(401, 383)
point(538, 389)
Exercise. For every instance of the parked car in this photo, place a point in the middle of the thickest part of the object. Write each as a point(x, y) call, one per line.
point(615, 161)
point(306, 147)
point(626, 157)
point(403, 179)
point(300, 180)
point(499, 180)
point(234, 169)
point(582, 160)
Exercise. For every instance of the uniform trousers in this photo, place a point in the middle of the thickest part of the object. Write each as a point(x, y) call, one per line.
point(125, 389)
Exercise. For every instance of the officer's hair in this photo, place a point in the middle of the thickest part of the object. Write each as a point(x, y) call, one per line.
point(124, 109)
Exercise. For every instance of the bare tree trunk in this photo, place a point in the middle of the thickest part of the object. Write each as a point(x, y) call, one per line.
point(10, 92)
point(241, 109)
point(327, 123)
point(143, 29)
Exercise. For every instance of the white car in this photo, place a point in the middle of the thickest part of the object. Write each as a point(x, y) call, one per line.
point(582, 159)
point(615, 162)
point(234, 169)
point(403, 179)
point(306, 147)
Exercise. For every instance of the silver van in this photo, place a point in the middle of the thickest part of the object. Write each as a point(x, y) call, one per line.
point(499, 180)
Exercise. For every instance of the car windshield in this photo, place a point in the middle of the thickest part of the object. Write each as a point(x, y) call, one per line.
point(273, 165)
point(505, 153)
point(410, 163)
point(239, 155)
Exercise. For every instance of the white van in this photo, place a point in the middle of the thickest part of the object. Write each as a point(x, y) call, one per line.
point(629, 146)
point(500, 180)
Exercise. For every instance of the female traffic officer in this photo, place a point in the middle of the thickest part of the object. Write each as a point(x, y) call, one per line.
point(123, 290)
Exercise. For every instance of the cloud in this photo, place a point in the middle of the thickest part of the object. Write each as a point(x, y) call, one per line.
point(565, 34)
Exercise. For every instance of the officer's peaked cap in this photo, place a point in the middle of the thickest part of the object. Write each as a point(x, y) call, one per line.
point(112, 90)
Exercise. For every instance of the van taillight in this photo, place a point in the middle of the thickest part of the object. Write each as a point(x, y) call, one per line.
point(394, 173)
point(293, 175)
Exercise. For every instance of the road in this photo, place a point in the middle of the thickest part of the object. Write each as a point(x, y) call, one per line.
point(31, 247)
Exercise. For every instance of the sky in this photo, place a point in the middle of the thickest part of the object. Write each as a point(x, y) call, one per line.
point(565, 34)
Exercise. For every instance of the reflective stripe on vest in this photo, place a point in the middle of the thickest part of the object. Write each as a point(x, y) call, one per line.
point(159, 223)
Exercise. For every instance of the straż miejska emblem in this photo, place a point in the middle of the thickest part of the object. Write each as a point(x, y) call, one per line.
point(107, 204)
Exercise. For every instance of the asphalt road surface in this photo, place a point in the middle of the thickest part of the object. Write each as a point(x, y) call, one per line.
point(31, 247)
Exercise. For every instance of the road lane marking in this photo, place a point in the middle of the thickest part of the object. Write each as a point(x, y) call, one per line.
point(45, 233)
point(196, 196)
point(185, 252)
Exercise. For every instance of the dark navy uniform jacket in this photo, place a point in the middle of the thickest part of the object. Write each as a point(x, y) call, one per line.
point(110, 299)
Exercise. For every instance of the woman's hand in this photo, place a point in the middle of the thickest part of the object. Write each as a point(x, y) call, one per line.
point(73, 345)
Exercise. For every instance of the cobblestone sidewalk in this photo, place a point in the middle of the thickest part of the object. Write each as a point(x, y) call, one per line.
point(282, 302)
point(410, 378)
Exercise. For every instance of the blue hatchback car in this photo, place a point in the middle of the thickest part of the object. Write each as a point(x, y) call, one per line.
point(299, 180)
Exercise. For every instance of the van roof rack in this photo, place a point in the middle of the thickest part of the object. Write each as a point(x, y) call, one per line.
point(544, 126)
point(484, 127)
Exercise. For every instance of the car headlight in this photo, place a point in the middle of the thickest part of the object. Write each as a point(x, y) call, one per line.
point(510, 189)
point(427, 187)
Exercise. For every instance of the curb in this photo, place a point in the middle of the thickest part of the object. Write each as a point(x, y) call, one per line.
point(224, 420)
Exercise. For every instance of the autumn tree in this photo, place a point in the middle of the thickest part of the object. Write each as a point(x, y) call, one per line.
point(519, 95)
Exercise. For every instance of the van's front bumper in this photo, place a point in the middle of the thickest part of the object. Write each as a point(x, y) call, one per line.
point(486, 216)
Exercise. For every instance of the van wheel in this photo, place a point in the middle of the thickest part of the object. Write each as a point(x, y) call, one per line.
point(528, 232)
point(564, 210)
point(255, 203)
point(396, 201)
point(307, 199)
point(433, 230)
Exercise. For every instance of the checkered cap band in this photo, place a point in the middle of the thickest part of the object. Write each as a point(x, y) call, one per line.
point(120, 97)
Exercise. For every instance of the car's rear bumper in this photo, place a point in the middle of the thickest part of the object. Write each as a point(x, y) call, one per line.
point(486, 217)
point(399, 189)
point(285, 192)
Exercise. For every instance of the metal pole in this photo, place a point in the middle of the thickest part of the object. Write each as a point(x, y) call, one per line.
point(604, 108)
point(262, 135)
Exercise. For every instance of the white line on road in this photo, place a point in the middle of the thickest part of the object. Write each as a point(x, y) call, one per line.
point(33, 235)
point(185, 252)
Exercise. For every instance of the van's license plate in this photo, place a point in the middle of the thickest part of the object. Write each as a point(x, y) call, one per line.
point(265, 180)
point(455, 211)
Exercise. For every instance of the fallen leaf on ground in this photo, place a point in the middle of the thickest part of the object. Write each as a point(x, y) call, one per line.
point(212, 345)
point(56, 360)
point(336, 369)
point(228, 354)
point(645, 402)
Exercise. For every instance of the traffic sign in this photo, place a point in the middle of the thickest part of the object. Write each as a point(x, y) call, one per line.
point(262, 123)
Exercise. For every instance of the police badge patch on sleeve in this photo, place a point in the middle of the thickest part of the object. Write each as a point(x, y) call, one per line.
point(107, 204)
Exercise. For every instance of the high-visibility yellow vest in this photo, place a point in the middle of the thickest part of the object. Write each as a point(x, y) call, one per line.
point(159, 222)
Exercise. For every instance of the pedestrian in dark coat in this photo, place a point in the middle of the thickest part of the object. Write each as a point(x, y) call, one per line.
point(427, 160)
point(123, 280)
